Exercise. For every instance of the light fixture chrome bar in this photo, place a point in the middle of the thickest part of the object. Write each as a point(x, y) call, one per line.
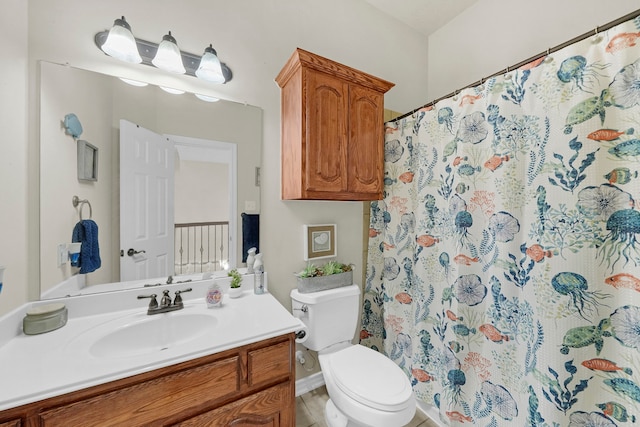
point(148, 51)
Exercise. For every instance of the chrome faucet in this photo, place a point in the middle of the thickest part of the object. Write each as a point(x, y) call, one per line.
point(165, 302)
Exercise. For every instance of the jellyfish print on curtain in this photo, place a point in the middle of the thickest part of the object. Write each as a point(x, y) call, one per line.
point(504, 261)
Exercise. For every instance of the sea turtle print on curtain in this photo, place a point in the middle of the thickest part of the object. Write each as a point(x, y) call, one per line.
point(504, 261)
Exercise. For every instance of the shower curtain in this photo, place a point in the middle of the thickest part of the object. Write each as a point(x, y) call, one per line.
point(503, 271)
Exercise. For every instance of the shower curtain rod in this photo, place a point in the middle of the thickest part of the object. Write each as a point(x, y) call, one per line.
point(588, 34)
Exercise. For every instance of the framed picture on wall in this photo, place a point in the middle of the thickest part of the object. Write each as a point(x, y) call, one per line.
point(87, 161)
point(319, 241)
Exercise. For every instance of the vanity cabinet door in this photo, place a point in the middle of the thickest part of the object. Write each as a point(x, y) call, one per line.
point(270, 365)
point(273, 407)
point(13, 423)
point(325, 156)
point(366, 142)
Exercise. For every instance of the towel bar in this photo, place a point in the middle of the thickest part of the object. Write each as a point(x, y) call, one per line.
point(75, 201)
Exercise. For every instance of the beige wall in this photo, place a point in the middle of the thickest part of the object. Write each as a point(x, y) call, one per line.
point(14, 208)
point(59, 152)
point(193, 200)
point(494, 34)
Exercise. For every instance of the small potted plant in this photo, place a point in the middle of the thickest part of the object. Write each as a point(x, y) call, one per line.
point(236, 280)
point(331, 275)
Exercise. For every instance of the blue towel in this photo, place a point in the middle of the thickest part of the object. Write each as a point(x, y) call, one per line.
point(250, 233)
point(86, 232)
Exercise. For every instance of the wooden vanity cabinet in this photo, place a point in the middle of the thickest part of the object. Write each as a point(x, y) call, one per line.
point(253, 385)
point(332, 130)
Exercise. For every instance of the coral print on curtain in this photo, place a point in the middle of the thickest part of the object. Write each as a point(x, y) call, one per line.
point(504, 260)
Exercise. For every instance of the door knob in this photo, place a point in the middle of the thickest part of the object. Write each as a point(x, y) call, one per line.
point(132, 252)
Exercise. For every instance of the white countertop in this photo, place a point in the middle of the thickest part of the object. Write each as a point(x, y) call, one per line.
point(36, 367)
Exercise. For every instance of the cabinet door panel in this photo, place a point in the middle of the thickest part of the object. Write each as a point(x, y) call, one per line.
point(326, 133)
point(269, 364)
point(271, 407)
point(366, 145)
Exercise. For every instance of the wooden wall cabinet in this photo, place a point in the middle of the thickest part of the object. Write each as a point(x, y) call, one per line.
point(332, 130)
point(252, 385)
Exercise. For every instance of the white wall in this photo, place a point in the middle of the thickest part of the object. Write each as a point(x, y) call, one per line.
point(495, 34)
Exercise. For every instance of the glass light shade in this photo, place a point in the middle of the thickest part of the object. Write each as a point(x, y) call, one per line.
point(168, 57)
point(134, 82)
point(206, 98)
point(210, 69)
point(121, 44)
point(172, 90)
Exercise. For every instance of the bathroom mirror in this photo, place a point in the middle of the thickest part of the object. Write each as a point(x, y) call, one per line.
point(100, 102)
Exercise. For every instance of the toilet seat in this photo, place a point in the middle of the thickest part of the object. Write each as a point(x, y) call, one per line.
point(370, 378)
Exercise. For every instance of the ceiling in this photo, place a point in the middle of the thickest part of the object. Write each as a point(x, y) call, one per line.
point(425, 16)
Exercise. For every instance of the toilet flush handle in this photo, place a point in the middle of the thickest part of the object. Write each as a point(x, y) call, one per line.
point(303, 309)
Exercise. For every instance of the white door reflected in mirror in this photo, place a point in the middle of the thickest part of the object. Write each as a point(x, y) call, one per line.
point(146, 203)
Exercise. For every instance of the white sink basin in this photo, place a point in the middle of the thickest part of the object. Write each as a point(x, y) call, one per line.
point(141, 334)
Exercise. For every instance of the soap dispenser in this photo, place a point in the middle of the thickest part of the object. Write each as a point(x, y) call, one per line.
point(251, 258)
point(214, 295)
point(258, 269)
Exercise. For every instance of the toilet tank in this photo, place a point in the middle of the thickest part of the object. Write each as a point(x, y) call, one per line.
point(330, 316)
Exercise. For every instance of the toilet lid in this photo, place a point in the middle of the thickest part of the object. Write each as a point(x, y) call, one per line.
point(370, 378)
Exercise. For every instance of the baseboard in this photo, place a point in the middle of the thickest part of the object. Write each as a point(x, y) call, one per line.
point(430, 411)
point(307, 384)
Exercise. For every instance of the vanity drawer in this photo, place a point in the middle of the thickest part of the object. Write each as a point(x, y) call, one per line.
point(165, 396)
point(269, 364)
point(272, 407)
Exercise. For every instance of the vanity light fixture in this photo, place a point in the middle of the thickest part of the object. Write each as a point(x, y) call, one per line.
point(120, 43)
point(204, 67)
point(168, 56)
point(209, 68)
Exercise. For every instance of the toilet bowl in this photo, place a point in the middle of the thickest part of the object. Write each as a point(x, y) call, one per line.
point(365, 387)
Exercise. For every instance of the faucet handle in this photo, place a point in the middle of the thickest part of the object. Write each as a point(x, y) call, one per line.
point(178, 299)
point(153, 304)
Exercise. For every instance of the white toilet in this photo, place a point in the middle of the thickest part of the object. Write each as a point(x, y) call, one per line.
point(365, 387)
